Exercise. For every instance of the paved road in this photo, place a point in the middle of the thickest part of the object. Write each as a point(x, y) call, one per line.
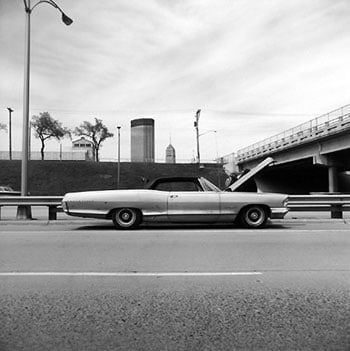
point(81, 285)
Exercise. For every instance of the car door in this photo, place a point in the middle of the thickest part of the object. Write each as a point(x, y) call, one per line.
point(187, 202)
point(231, 203)
point(195, 207)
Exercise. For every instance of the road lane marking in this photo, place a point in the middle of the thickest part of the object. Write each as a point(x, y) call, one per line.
point(127, 274)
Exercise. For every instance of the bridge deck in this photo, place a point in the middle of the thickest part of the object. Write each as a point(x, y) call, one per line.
point(328, 124)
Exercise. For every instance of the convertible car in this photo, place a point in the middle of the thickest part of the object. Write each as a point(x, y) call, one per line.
point(177, 200)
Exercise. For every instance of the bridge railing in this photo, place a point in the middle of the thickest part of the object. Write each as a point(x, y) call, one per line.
point(329, 123)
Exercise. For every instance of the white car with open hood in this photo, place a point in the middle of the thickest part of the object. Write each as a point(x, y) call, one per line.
point(177, 200)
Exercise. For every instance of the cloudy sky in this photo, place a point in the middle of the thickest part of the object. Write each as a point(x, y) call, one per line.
point(254, 68)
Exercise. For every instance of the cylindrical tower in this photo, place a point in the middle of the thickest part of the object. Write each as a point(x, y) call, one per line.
point(142, 140)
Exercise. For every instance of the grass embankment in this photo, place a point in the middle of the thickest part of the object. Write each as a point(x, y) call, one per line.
point(60, 177)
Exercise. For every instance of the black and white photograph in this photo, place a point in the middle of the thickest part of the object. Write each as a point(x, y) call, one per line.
point(174, 175)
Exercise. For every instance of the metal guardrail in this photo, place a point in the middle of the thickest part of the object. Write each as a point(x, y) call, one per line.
point(327, 124)
point(333, 203)
point(53, 203)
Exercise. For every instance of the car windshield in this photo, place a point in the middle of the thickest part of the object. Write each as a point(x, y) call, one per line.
point(208, 186)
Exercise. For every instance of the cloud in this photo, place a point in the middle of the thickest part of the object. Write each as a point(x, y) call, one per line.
point(253, 67)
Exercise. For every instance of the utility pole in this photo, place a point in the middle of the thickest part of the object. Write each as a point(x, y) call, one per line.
point(10, 133)
point(118, 175)
point(196, 125)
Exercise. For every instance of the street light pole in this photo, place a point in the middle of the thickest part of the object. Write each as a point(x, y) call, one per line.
point(10, 132)
point(196, 125)
point(29, 140)
point(24, 167)
point(23, 212)
point(118, 175)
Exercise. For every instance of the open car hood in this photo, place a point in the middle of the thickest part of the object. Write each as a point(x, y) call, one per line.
point(268, 161)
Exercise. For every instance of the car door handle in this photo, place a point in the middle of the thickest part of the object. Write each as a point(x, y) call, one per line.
point(173, 196)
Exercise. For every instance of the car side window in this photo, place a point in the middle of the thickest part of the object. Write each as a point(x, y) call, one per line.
point(178, 186)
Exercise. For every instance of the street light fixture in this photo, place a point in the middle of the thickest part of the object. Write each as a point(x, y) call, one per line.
point(65, 19)
point(212, 131)
point(23, 212)
point(10, 132)
point(208, 131)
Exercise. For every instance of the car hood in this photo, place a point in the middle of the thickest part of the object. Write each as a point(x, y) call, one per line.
point(268, 161)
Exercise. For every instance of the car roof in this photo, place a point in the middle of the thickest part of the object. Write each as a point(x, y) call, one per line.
point(171, 179)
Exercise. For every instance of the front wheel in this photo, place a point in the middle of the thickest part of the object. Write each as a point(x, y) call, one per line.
point(253, 217)
point(126, 218)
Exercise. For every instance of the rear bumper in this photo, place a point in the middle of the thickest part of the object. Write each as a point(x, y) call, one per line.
point(278, 212)
point(86, 213)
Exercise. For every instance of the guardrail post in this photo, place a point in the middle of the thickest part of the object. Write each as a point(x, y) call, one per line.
point(336, 211)
point(24, 212)
point(52, 213)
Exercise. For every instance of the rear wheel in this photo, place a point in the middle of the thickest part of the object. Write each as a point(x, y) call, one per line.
point(253, 217)
point(126, 218)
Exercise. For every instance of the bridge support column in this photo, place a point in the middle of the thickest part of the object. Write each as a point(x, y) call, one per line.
point(332, 179)
point(336, 210)
point(332, 170)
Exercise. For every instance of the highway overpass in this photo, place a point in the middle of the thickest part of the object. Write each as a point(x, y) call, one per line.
point(311, 157)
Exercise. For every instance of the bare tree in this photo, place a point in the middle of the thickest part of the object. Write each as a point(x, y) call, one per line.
point(45, 127)
point(97, 133)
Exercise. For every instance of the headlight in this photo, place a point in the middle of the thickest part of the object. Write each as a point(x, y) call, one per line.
point(285, 202)
point(65, 206)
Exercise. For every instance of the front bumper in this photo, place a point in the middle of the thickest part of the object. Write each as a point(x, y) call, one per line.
point(278, 212)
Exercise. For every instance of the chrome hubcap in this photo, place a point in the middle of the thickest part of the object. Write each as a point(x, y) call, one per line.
point(125, 216)
point(254, 216)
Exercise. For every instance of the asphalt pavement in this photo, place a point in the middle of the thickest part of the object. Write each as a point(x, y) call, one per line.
point(75, 284)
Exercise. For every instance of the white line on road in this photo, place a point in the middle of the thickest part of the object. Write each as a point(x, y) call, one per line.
point(126, 274)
